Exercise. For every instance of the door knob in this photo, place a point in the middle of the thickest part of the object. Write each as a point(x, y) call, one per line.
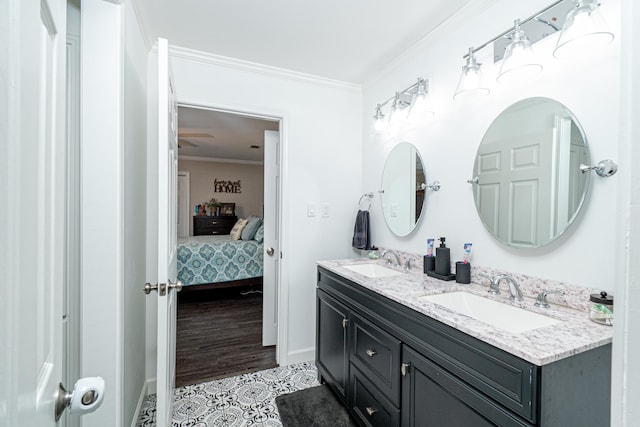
point(86, 397)
point(270, 251)
point(177, 286)
point(148, 287)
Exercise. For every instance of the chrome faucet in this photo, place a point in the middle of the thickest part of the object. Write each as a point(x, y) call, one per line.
point(541, 300)
point(494, 285)
point(514, 289)
point(390, 252)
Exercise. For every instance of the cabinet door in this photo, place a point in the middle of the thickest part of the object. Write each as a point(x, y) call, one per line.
point(432, 397)
point(331, 350)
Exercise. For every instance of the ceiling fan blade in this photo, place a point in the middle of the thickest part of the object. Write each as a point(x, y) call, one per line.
point(195, 135)
point(185, 143)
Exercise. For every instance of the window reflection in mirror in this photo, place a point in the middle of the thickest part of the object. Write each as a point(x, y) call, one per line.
point(529, 188)
point(403, 181)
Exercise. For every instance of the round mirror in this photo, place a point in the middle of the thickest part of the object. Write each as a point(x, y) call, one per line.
point(403, 187)
point(528, 187)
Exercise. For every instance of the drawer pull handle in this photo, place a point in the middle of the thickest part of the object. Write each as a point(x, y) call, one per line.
point(371, 410)
point(371, 352)
point(404, 369)
point(214, 222)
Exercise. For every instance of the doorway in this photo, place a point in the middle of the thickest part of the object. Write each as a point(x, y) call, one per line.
point(223, 152)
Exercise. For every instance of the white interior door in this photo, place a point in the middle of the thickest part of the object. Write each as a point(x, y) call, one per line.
point(32, 208)
point(166, 245)
point(514, 190)
point(183, 204)
point(271, 233)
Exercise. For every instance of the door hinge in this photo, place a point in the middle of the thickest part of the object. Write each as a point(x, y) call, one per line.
point(404, 369)
point(345, 322)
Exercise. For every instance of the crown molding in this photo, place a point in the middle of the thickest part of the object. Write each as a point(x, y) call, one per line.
point(217, 160)
point(254, 67)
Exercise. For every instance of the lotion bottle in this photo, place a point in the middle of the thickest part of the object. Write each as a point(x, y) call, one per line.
point(443, 259)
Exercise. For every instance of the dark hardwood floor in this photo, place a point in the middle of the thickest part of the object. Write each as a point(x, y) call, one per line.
point(219, 334)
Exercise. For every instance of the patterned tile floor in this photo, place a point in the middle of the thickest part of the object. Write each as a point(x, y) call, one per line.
point(245, 400)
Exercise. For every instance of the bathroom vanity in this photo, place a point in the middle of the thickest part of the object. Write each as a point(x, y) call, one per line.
point(395, 358)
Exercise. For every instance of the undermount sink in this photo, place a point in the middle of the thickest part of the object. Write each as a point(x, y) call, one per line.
point(503, 316)
point(373, 271)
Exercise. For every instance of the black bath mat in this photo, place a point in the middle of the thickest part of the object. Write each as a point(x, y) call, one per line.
point(313, 407)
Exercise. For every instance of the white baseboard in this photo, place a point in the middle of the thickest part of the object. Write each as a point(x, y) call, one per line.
point(152, 386)
point(141, 400)
point(299, 356)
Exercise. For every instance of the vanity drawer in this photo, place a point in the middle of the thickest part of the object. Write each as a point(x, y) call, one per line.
point(368, 404)
point(377, 354)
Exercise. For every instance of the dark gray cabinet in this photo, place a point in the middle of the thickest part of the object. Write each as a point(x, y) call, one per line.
point(393, 366)
point(331, 343)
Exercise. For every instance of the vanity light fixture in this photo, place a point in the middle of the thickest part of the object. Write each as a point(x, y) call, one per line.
point(583, 27)
point(584, 30)
point(471, 82)
point(519, 60)
point(380, 124)
point(413, 100)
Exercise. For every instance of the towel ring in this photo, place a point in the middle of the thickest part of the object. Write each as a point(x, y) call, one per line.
point(367, 197)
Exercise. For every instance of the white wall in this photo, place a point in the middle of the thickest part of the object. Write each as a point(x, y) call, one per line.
point(202, 175)
point(113, 207)
point(589, 87)
point(321, 132)
point(102, 205)
point(626, 340)
point(135, 215)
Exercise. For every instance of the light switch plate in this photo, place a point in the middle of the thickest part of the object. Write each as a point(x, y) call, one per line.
point(324, 210)
point(312, 209)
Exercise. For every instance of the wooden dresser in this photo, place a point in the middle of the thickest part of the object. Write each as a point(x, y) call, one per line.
point(207, 225)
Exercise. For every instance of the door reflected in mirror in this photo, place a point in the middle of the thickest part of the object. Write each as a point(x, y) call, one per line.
point(529, 186)
point(403, 189)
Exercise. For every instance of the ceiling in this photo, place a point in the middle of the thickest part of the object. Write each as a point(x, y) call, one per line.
point(221, 136)
point(336, 39)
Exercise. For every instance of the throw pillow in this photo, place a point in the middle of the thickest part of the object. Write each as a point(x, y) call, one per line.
point(259, 236)
point(236, 231)
point(250, 229)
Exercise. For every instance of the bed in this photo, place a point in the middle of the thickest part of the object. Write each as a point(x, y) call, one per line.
point(219, 262)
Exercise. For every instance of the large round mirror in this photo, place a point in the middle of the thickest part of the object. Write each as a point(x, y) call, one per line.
point(403, 187)
point(528, 187)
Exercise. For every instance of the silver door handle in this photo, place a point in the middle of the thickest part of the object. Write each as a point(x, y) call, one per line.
point(371, 410)
point(371, 353)
point(148, 287)
point(177, 286)
point(270, 251)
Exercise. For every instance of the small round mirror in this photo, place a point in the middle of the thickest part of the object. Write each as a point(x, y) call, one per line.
point(528, 187)
point(403, 189)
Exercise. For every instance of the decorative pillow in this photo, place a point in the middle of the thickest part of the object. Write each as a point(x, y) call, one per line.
point(251, 228)
point(236, 231)
point(259, 236)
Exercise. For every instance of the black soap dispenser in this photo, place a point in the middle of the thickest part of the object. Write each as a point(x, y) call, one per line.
point(443, 259)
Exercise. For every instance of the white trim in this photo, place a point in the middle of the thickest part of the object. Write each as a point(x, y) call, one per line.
point(283, 274)
point(184, 53)
point(141, 401)
point(219, 160)
point(152, 385)
point(148, 40)
point(186, 174)
point(305, 355)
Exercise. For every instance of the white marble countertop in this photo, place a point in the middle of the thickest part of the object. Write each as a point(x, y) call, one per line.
point(540, 346)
